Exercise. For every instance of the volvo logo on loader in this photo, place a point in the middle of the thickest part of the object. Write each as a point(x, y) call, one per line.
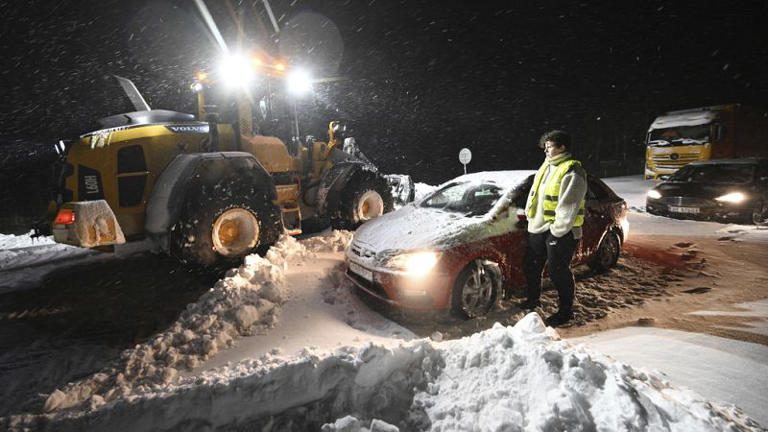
point(201, 129)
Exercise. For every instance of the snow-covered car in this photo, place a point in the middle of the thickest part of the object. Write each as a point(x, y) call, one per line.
point(728, 190)
point(461, 247)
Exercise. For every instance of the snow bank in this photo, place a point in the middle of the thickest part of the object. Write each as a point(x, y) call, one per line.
point(10, 241)
point(505, 378)
point(523, 377)
point(246, 301)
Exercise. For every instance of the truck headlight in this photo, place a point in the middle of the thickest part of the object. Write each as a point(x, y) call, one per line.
point(653, 194)
point(733, 197)
point(415, 263)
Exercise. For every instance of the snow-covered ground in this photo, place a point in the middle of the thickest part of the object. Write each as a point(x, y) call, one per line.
point(282, 343)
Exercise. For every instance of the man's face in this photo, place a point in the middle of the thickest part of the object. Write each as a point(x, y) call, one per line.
point(552, 149)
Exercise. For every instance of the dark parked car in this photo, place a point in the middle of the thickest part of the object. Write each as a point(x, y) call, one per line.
point(461, 248)
point(727, 190)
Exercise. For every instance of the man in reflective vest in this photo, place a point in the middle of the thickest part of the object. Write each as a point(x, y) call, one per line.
point(555, 212)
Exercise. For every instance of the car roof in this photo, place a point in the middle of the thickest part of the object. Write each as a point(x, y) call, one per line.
point(742, 161)
point(504, 179)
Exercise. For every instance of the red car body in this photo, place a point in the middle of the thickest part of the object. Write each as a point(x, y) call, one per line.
point(496, 239)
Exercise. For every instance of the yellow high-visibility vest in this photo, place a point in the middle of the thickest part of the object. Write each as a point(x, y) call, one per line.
point(552, 191)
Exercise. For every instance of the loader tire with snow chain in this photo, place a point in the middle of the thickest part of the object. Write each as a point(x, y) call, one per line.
point(218, 231)
point(607, 254)
point(363, 201)
point(474, 292)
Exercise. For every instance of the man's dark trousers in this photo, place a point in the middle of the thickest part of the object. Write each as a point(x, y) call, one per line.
point(545, 248)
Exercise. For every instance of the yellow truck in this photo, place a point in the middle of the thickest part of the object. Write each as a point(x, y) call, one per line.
point(677, 138)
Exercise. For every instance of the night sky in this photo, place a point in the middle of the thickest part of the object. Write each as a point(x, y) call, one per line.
point(418, 80)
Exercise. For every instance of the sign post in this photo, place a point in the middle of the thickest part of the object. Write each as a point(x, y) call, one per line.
point(464, 157)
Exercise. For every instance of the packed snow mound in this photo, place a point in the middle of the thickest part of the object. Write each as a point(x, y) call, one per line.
point(524, 378)
point(505, 378)
point(246, 301)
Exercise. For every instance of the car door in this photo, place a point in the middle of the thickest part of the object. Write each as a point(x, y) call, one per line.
point(597, 218)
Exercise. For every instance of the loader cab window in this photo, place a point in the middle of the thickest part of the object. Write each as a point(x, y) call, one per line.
point(130, 159)
point(131, 175)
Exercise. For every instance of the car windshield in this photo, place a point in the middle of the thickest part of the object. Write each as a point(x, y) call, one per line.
point(470, 198)
point(715, 174)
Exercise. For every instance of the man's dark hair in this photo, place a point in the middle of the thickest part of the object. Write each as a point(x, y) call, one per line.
point(561, 138)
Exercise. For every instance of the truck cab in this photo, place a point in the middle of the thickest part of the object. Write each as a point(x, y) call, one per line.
point(677, 138)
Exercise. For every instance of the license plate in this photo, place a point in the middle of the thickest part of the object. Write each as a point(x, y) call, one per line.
point(691, 210)
point(361, 271)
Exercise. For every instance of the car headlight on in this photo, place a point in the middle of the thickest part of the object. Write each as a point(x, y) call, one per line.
point(415, 263)
point(653, 194)
point(733, 197)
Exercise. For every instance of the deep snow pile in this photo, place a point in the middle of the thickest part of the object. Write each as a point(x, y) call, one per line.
point(505, 378)
point(246, 301)
point(523, 377)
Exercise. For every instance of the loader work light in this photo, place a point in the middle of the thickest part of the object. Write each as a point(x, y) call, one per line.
point(236, 71)
point(299, 82)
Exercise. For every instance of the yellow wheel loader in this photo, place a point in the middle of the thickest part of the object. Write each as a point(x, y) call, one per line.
point(209, 189)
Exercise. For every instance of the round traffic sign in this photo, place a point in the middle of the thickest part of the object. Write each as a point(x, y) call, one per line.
point(465, 156)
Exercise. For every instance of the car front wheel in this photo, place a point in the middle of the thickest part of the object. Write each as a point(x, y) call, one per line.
point(607, 253)
point(474, 291)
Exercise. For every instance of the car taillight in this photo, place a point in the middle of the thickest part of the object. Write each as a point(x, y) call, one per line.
point(65, 217)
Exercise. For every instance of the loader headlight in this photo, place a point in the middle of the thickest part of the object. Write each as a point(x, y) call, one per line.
point(653, 194)
point(733, 197)
point(414, 264)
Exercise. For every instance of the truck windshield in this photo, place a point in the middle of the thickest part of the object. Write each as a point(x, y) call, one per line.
point(681, 135)
point(715, 174)
point(469, 198)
